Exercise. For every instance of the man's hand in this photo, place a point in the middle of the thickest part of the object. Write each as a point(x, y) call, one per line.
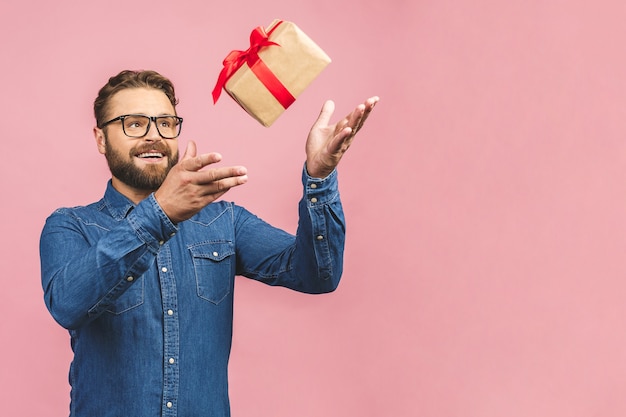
point(326, 143)
point(187, 188)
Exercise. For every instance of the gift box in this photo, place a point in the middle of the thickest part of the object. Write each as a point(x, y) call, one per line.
point(268, 77)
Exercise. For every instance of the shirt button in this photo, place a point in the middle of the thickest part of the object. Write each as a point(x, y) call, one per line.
point(314, 200)
point(215, 254)
point(164, 269)
point(169, 404)
point(172, 234)
point(314, 186)
point(320, 237)
point(130, 279)
point(170, 312)
point(171, 361)
point(161, 242)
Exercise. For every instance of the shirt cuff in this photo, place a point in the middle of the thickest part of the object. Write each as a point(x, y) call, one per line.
point(151, 223)
point(319, 191)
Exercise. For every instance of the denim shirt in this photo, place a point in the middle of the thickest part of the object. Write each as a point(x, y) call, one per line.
point(149, 304)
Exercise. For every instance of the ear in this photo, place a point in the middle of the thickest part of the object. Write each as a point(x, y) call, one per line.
point(100, 139)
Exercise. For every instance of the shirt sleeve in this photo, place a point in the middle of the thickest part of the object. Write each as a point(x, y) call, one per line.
point(312, 260)
point(85, 268)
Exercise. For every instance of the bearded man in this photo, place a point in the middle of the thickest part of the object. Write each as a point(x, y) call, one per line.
point(144, 278)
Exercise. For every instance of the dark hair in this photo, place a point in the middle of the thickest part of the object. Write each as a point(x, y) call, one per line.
point(131, 79)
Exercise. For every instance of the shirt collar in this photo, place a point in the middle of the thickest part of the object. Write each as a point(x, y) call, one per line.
point(119, 206)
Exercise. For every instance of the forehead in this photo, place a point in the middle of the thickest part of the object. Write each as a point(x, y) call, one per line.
point(141, 101)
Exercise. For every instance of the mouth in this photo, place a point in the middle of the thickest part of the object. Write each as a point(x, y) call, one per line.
point(150, 156)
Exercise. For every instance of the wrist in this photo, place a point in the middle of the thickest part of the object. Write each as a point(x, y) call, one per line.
point(315, 171)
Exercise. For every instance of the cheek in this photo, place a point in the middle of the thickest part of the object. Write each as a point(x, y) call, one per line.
point(174, 151)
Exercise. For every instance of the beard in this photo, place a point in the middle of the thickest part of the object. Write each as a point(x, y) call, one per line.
point(148, 178)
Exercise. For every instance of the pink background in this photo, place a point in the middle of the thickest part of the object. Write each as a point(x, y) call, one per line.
point(485, 198)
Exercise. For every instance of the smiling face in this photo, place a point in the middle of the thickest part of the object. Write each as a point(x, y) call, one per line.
point(138, 165)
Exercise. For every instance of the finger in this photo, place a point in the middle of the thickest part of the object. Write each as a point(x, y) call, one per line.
point(325, 114)
point(216, 189)
point(218, 174)
point(371, 102)
point(341, 142)
point(196, 163)
point(349, 124)
point(189, 154)
point(226, 184)
point(357, 118)
point(367, 108)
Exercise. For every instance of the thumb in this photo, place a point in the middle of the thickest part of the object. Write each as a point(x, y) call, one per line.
point(325, 114)
point(190, 161)
point(190, 150)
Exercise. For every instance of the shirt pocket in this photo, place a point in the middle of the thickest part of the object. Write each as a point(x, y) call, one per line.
point(132, 297)
point(212, 263)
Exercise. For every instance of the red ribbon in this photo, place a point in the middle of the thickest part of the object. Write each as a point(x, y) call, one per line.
point(235, 59)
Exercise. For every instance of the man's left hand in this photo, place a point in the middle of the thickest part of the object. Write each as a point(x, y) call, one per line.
point(327, 143)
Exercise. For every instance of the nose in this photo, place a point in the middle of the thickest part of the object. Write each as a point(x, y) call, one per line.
point(153, 134)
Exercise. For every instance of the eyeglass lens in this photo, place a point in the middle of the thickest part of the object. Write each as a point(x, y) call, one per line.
point(137, 126)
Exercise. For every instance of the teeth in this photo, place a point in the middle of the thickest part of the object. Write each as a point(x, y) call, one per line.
point(150, 155)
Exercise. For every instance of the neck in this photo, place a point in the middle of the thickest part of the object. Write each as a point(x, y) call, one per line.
point(133, 194)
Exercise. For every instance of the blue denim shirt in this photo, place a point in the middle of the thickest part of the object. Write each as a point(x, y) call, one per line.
point(149, 304)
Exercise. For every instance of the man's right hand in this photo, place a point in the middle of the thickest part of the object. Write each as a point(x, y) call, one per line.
point(188, 188)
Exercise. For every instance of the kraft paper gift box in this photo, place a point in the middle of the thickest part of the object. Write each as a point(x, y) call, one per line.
point(268, 77)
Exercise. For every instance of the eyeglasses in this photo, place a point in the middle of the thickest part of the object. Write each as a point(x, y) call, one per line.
point(138, 125)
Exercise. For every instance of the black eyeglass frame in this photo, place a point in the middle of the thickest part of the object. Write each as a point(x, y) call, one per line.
point(152, 119)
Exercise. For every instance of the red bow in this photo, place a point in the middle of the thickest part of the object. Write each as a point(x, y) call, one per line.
point(235, 59)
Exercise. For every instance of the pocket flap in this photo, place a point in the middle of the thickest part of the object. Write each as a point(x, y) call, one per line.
point(215, 251)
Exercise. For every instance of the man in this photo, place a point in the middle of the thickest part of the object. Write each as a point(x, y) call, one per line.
point(143, 279)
